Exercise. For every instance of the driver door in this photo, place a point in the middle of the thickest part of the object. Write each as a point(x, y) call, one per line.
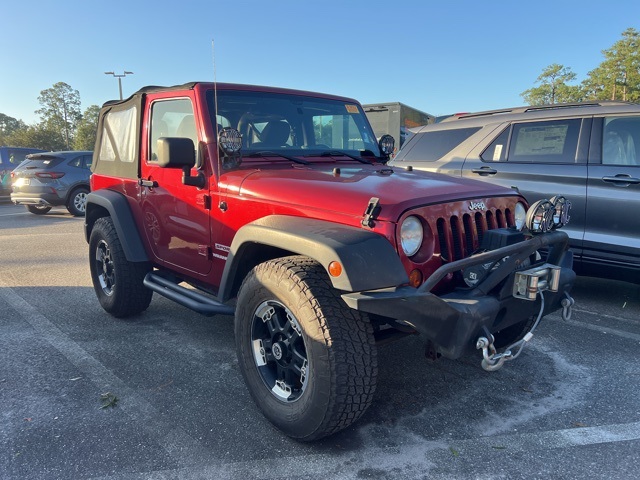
point(177, 224)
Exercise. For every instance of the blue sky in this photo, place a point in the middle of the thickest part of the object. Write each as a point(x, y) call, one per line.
point(440, 57)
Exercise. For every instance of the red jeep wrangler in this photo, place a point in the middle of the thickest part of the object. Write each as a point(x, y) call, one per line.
point(277, 207)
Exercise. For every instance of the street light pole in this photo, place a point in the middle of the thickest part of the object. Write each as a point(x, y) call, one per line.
point(119, 77)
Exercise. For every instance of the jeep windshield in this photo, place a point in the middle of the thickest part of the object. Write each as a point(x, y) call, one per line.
point(293, 125)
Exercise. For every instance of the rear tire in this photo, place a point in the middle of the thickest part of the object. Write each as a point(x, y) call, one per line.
point(308, 360)
point(78, 201)
point(38, 209)
point(117, 281)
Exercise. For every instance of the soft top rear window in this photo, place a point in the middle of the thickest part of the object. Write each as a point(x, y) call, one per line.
point(433, 145)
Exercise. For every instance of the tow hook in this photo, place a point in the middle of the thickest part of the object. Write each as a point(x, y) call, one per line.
point(491, 360)
point(567, 304)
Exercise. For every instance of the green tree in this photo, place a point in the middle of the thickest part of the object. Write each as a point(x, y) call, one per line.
point(37, 136)
point(618, 76)
point(60, 110)
point(553, 87)
point(87, 129)
point(9, 124)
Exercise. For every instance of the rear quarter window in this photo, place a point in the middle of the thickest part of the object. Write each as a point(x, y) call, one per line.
point(433, 145)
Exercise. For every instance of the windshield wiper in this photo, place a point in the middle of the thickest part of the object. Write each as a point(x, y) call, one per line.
point(344, 154)
point(274, 154)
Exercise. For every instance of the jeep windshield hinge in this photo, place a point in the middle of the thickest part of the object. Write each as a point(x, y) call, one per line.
point(193, 181)
point(372, 211)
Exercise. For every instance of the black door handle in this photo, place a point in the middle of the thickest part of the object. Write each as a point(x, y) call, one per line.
point(485, 171)
point(622, 180)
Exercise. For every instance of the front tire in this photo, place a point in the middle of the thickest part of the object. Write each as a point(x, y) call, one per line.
point(117, 281)
point(308, 360)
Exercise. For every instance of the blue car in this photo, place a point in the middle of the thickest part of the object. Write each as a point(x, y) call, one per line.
point(49, 179)
point(10, 158)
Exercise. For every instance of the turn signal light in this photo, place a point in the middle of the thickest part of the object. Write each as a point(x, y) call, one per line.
point(415, 278)
point(335, 269)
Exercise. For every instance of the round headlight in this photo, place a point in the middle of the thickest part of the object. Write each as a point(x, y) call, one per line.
point(387, 144)
point(411, 234)
point(230, 140)
point(520, 216)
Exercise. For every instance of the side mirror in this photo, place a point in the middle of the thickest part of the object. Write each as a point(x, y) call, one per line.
point(180, 153)
point(387, 144)
point(176, 152)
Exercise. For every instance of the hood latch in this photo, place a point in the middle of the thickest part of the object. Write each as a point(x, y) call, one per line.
point(372, 211)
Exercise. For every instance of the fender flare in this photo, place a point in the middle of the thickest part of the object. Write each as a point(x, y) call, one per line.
point(368, 259)
point(104, 203)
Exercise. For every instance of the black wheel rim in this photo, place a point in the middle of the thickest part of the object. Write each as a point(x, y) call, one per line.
point(279, 351)
point(104, 267)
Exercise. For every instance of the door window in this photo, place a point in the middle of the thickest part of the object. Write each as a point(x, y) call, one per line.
point(171, 118)
point(553, 141)
point(620, 141)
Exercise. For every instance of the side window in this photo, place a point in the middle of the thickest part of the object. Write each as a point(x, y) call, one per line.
point(87, 160)
point(553, 141)
point(497, 151)
point(76, 162)
point(620, 141)
point(433, 145)
point(17, 156)
point(171, 118)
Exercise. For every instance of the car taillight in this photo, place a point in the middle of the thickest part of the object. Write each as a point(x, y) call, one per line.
point(50, 174)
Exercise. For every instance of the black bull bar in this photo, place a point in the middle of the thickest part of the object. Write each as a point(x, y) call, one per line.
point(455, 320)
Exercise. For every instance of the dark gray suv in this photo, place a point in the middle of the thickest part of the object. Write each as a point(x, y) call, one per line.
point(45, 180)
point(588, 151)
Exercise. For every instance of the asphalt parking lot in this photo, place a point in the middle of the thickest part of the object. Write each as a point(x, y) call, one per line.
point(160, 396)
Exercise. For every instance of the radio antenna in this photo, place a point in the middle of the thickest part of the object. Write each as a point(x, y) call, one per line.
point(215, 107)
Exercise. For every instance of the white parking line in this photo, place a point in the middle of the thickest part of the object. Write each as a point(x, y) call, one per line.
point(417, 459)
point(181, 447)
point(602, 329)
point(413, 457)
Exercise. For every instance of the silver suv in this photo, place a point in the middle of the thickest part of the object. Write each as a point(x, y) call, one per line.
point(588, 151)
point(45, 180)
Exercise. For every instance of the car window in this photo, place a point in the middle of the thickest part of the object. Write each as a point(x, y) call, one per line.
point(41, 161)
point(87, 160)
point(433, 145)
point(118, 141)
point(76, 162)
point(620, 141)
point(554, 141)
point(171, 118)
point(497, 151)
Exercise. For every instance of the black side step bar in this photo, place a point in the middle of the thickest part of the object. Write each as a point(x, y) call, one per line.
point(185, 297)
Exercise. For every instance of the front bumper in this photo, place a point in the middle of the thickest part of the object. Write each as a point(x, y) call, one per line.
point(454, 321)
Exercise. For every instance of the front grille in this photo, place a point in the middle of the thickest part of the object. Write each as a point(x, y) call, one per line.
point(460, 237)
